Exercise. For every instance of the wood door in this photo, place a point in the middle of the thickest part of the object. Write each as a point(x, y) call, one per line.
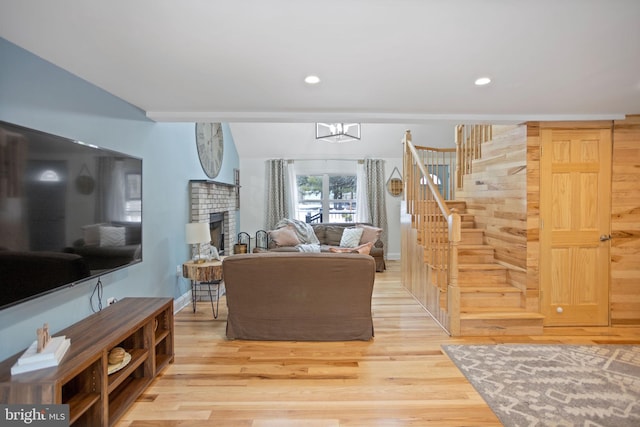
point(575, 213)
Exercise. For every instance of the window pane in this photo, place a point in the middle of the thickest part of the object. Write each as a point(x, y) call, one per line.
point(342, 195)
point(309, 187)
point(340, 202)
point(309, 197)
point(342, 187)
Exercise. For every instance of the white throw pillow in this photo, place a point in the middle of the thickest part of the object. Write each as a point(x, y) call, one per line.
point(351, 237)
point(112, 236)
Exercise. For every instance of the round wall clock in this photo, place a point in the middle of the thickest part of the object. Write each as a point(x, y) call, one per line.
point(210, 147)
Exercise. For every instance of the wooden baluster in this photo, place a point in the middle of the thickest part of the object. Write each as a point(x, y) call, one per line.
point(459, 148)
point(453, 290)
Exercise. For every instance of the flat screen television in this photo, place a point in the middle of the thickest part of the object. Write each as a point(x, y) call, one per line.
point(69, 212)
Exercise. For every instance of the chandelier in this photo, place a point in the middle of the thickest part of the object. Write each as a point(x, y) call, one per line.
point(338, 132)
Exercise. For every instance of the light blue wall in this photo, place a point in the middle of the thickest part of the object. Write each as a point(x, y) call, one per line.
point(39, 95)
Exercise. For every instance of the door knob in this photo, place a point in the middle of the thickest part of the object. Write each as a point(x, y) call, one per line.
point(605, 237)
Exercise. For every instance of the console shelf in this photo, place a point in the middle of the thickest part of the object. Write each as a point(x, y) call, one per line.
point(142, 326)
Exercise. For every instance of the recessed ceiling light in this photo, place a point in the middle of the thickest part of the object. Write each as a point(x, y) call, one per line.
point(483, 81)
point(312, 80)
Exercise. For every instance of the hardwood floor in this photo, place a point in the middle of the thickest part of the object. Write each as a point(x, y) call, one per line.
point(400, 378)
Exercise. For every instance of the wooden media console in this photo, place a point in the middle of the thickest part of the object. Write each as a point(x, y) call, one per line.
point(142, 326)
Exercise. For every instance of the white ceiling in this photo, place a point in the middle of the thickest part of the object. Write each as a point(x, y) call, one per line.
point(380, 61)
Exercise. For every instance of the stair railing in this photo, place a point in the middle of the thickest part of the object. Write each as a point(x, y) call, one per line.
point(438, 227)
point(469, 140)
point(440, 163)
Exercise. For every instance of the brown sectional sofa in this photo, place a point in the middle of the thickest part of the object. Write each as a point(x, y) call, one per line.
point(329, 234)
point(299, 296)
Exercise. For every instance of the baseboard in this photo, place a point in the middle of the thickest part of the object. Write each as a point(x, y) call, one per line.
point(185, 299)
point(182, 301)
point(393, 256)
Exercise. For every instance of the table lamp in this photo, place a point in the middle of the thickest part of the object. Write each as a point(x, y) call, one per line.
point(198, 233)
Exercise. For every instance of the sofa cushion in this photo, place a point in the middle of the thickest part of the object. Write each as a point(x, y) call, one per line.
point(351, 237)
point(284, 237)
point(333, 235)
point(369, 233)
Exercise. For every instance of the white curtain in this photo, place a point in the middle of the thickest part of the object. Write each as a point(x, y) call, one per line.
point(292, 189)
point(362, 202)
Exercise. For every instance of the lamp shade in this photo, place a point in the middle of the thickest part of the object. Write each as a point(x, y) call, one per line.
point(197, 232)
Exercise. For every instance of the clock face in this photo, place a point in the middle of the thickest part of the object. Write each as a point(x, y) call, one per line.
point(210, 147)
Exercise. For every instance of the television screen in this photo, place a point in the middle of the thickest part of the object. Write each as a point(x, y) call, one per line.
point(69, 212)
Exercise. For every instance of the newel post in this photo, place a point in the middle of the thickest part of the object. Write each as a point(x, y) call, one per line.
point(453, 291)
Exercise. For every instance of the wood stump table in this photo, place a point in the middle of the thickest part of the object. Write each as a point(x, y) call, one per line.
point(207, 274)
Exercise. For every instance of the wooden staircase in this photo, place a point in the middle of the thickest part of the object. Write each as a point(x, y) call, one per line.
point(489, 304)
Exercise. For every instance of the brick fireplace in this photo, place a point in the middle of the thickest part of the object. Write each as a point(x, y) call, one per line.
point(215, 203)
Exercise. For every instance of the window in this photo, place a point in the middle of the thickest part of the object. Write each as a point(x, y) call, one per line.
point(332, 193)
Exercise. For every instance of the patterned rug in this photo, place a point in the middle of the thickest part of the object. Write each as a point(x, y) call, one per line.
point(555, 385)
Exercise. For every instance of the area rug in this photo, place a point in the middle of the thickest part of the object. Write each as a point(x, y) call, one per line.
point(555, 385)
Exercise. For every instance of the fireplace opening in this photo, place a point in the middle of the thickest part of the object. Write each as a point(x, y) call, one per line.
point(216, 227)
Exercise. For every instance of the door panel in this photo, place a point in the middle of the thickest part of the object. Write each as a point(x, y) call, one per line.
point(575, 206)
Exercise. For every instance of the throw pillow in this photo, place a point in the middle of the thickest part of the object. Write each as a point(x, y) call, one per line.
point(284, 237)
point(351, 237)
point(112, 236)
point(369, 233)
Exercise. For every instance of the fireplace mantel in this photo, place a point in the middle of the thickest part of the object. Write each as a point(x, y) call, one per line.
point(208, 181)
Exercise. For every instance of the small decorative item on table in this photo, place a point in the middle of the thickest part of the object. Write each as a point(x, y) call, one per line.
point(118, 358)
point(44, 352)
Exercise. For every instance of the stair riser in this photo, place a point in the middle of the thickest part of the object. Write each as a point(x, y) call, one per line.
point(472, 238)
point(475, 258)
point(490, 299)
point(482, 278)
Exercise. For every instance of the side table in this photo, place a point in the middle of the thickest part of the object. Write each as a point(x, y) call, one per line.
point(207, 274)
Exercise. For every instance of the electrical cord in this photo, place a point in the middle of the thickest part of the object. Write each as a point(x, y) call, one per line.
point(97, 288)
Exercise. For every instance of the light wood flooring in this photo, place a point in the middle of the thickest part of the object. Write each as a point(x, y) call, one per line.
point(400, 378)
